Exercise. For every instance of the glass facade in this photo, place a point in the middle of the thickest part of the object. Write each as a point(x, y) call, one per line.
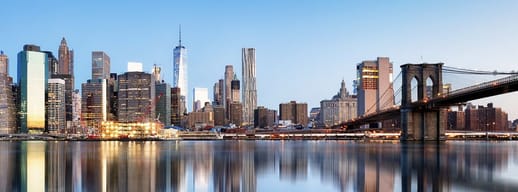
point(100, 65)
point(180, 70)
point(136, 94)
point(163, 102)
point(94, 104)
point(32, 81)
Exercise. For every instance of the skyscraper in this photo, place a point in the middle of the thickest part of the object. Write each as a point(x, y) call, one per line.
point(229, 75)
point(7, 105)
point(249, 83)
point(375, 91)
point(218, 93)
point(4, 63)
point(95, 106)
point(100, 65)
point(180, 67)
point(66, 58)
point(177, 106)
point(136, 97)
point(56, 121)
point(163, 102)
point(234, 90)
point(32, 82)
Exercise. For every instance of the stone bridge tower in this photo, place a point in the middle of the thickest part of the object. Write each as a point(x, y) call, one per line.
point(421, 121)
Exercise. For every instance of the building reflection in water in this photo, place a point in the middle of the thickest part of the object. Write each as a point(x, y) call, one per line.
point(255, 166)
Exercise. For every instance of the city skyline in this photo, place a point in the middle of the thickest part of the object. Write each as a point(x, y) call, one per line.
point(469, 35)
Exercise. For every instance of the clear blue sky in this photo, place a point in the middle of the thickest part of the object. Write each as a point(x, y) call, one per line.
point(304, 47)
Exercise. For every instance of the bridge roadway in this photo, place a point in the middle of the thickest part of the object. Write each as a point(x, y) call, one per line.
point(482, 90)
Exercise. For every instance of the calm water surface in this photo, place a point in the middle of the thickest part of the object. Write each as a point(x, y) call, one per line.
point(258, 166)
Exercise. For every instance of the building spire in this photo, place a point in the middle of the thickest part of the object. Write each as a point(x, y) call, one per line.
point(180, 35)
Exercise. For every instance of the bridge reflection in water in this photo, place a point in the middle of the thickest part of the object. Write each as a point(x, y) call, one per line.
point(257, 166)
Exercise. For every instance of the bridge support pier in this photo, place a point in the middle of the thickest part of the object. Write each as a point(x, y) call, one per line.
point(423, 125)
point(421, 121)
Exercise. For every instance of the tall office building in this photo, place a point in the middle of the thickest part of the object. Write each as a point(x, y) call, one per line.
point(229, 76)
point(53, 63)
point(296, 112)
point(136, 97)
point(200, 97)
point(177, 106)
point(66, 59)
point(180, 67)
point(7, 102)
point(235, 90)
point(56, 122)
point(163, 102)
point(249, 85)
point(4, 63)
point(95, 101)
point(100, 65)
point(32, 93)
point(236, 114)
point(340, 108)
point(218, 90)
point(375, 91)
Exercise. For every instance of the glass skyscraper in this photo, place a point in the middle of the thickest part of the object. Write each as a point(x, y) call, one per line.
point(32, 80)
point(100, 65)
point(180, 68)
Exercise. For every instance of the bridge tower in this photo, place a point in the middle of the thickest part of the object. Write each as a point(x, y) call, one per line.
point(421, 121)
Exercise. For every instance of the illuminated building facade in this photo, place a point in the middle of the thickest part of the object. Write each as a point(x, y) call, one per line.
point(94, 104)
point(375, 91)
point(113, 129)
point(136, 97)
point(56, 121)
point(33, 72)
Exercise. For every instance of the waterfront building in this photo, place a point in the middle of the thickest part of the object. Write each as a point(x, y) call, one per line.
point(69, 89)
point(219, 115)
point(177, 106)
point(180, 67)
point(485, 118)
point(114, 129)
point(456, 119)
point(297, 113)
point(163, 102)
point(56, 120)
point(200, 97)
point(264, 117)
point(200, 120)
point(135, 96)
point(314, 114)
point(7, 100)
point(33, 72)
point(249, 85)
point(95, 106)
point(236, 114)
point(340, 108)
point(100, 65)
point(374, 84)
point(113, 94)
point(76, 111)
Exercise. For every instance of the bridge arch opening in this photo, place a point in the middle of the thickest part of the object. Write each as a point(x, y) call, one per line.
point(414, 83)
point(429, 88)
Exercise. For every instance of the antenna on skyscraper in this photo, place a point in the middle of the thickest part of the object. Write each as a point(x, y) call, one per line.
point(180, 35)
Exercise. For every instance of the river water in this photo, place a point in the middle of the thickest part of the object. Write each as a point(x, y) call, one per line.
point(258, 166)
